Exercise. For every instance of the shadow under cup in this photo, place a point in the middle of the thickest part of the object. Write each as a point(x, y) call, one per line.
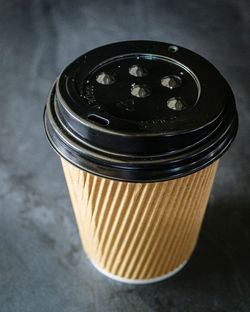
point(140, 126)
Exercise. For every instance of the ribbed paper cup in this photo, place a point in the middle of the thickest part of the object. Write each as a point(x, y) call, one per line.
point(140, 127)
point(139, 232)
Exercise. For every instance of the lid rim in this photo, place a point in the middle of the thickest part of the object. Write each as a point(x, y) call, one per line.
point(120, 173)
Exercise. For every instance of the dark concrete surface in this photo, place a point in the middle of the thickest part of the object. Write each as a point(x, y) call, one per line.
point(42, 265)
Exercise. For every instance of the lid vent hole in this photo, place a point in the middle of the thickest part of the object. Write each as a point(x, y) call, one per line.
point(173, 49)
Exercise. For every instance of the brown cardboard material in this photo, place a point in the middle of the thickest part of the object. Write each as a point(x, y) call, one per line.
point(139, 231)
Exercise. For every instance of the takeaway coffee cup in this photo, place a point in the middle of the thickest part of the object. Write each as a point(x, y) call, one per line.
point(140, 127)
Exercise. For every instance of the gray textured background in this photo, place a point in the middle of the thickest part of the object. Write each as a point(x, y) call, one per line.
point(42, 266)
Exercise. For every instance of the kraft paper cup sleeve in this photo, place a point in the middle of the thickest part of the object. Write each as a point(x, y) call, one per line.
point(139, 232)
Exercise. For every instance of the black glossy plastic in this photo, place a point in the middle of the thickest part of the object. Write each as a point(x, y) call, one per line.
point(141, 111)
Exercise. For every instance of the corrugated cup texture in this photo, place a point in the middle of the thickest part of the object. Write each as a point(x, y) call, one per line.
point(139, 230)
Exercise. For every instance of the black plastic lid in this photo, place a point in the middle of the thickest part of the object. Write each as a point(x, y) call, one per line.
point(140, 111)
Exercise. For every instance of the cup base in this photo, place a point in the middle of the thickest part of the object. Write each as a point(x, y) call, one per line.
point(139, 281)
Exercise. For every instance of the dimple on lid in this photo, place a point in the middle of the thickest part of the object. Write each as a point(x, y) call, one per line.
point(140, 111)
